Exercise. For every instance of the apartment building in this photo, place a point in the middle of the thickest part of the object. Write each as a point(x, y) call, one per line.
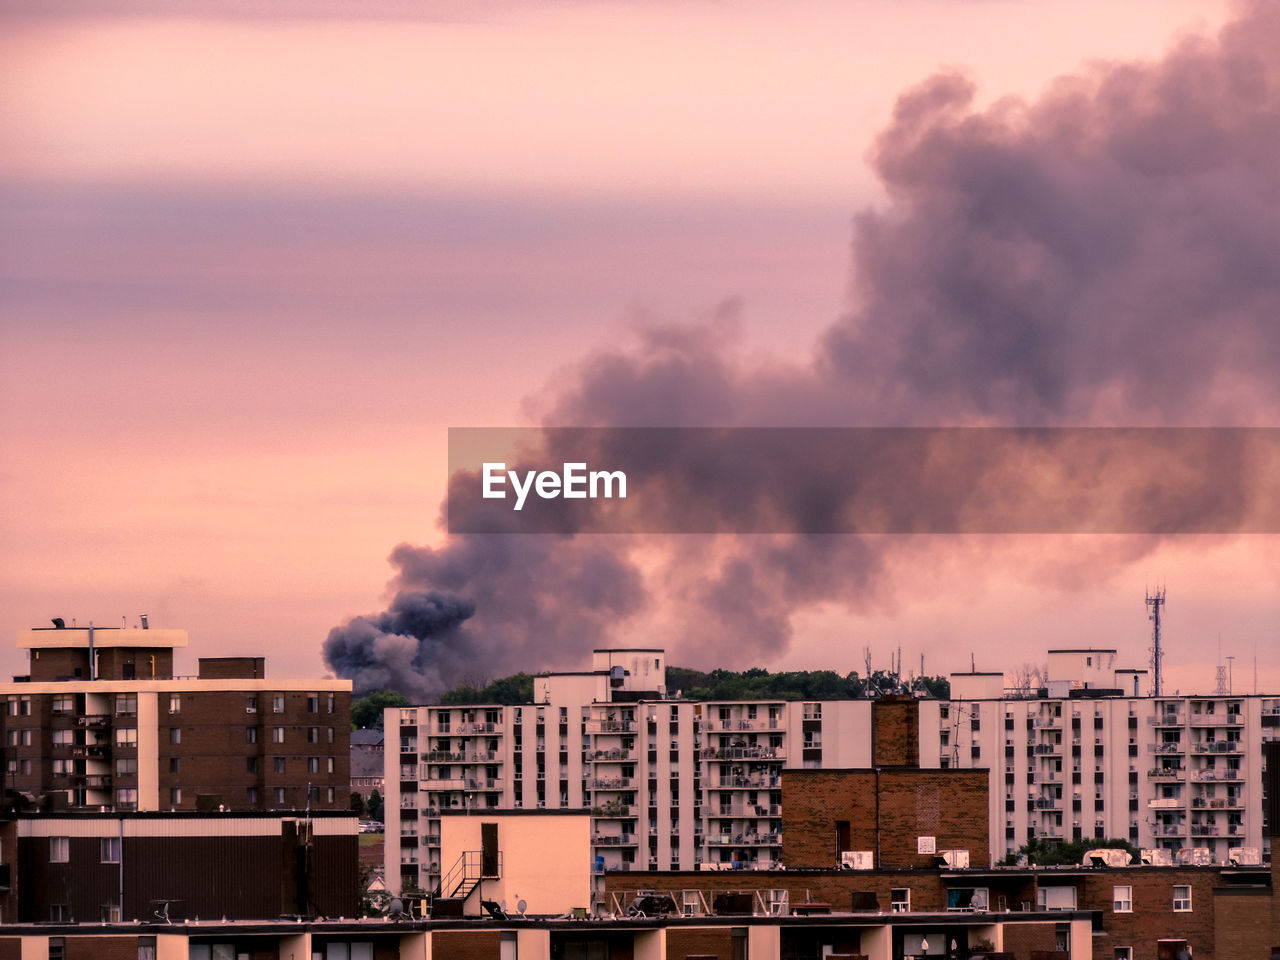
point(670, 783)
point(674, 784)
point(1090, 755)
point(101, 722)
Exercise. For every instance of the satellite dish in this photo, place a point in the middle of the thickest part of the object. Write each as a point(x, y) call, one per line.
point(59, 623)
point(396, 908)
point(521, 907)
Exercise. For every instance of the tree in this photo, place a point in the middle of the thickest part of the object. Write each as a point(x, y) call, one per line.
point(517, 688)
point(357, 804)
point(374, 806)
point(1045, 852)
point(366, 713)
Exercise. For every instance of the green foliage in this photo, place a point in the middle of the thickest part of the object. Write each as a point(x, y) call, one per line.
point(1045, 852)
point(751, 684)
point(373, 808)
point(517, 688)
point(758, 684)
point(366, 712)
point(357, 804)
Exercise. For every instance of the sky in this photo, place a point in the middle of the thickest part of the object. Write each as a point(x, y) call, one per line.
point(256, 259)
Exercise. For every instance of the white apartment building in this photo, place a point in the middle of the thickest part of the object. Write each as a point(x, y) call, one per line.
point(1090, 756)
point(678, 784)
point(671, 783)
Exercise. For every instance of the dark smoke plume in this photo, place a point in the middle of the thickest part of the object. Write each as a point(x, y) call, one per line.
point(1108, 254)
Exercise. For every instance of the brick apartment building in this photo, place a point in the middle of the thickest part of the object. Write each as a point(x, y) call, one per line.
point(121, 867)
point(102, 723)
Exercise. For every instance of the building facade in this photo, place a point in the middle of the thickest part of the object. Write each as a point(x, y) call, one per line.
point(102, 723)
point(674, 784)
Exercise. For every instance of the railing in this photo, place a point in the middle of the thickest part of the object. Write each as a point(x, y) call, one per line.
point(612, 783)
point(741, 783)
point(1170, 772)
point(744, 753)
point(469, 868)
point(1166, 748)
point(608, 756)
point(614, 840)
point(610, 726)
point(444, 756)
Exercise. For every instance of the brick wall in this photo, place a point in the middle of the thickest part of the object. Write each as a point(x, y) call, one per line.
point(102, 948)
point(1021, 939)
point(1152, 917)
point(684, 941)
point(467, 944)
point(895, 732)
point(949, 805)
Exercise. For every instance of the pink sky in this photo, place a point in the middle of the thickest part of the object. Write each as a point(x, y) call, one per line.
point(255, 266)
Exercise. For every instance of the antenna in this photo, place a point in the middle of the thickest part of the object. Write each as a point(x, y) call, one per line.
point(1221, 690)
point(1231, 674)
point(1155, 601)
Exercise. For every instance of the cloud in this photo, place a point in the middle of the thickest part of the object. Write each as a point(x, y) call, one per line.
point(1104, 254)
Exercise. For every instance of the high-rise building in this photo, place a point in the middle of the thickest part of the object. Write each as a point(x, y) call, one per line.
point(101, 722)
point(673, 783)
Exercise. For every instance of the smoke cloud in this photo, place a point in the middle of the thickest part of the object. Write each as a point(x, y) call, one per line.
point(1107, 254)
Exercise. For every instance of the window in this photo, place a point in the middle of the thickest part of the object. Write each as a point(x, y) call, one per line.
point(175, 796)
point(277, 764)
point(146, 948)
point(331, 703)
point(64, 704)
point(250, 764)
point(251, 795)
point(110, 913)
point(313, 703)
point(126, 705)
point(331, 767)
point(313, 734)
point(250, 734)
point(1123, 953)
point(900, 900)
point(251, 703)
point(1182, 898)
point(59, 849)
point(175, 703)
point(126, 736)
point(175, 765)
point(277, 703)
point(1122, 899)
point(109, 850)
point(331, 736)
point(313, 764)
point(175, 734)
point(331, 796)
point(126, 798)
point(61, 738)
point(126, 766)
point(277, 734)
point(279, 794)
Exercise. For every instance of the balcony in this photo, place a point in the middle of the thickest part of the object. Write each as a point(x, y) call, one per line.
point(612, 783)
point(759, 782)
point(444, 756)
point(614, 840)
point(1166, 748)
point(744, 753)
point(93, 720)
point(1216, 746)
point(611, 756)
point(610, 726)
point(1166, 773)
point(743, 839)
point(1167, 719)
point(1165, 803)
point(486, 783)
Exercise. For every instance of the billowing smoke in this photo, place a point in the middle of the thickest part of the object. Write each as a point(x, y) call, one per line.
point(1107, 254)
